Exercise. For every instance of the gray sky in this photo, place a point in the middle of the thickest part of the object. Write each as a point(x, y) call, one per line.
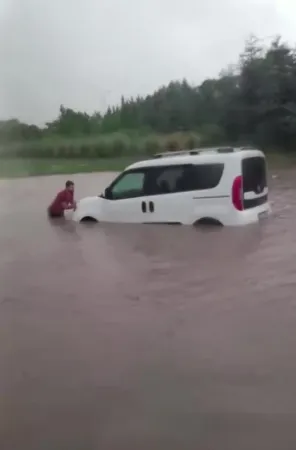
point(86, 53)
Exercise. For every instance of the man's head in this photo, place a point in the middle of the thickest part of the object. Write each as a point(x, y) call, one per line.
point(70, 185)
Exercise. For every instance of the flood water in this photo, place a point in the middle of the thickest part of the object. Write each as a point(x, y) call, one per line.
point(118, 337)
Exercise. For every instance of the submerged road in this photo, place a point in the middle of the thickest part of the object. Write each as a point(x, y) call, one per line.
point(144, 337)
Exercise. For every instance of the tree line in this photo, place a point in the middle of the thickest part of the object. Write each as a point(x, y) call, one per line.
point(253, 102)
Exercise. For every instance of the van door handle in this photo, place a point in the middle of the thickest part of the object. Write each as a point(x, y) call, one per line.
point(144, 207)
point(151, 207)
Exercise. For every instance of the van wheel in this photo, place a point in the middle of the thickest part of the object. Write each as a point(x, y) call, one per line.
point(88, 219)
point(208, 221)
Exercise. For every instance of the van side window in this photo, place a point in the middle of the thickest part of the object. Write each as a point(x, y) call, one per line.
point(185, 178)
point(205, 176)
point(168, 179)
point(128, 185)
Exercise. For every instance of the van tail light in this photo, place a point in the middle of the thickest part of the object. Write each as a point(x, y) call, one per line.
point(237, 193)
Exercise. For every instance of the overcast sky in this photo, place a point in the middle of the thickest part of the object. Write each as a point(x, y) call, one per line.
point(86, 53)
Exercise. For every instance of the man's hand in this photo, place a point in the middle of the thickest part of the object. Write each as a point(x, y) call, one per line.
point(67, 206)
point(71, 205)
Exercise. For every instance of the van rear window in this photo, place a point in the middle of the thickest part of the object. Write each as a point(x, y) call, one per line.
point(254, 182)
point(254, 174)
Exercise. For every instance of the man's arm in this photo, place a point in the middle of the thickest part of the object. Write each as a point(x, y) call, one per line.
point(71, 205)
point(72, 202)
point(65, 205)
point(63, 201)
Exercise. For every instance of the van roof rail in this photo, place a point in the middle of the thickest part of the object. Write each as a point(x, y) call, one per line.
point(178, 153)
point(225, 150)
point(199, 151)
point(248, 147)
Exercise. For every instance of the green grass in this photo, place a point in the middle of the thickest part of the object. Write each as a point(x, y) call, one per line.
point(22, 167)
point(111, 145)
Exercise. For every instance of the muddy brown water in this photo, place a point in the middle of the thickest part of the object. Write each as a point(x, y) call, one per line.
point(145, 337)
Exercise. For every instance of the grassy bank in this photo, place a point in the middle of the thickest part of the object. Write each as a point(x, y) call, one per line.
point(111, 145)
point(110, 152)
point(104, 152)
point(22, 167)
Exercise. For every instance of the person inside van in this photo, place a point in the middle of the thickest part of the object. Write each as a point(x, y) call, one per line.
point(63, 201)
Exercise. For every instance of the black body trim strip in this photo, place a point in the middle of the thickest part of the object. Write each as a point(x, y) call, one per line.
point(253, 202)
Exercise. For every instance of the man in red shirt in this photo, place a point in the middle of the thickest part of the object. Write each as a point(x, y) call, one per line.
point(63, 201)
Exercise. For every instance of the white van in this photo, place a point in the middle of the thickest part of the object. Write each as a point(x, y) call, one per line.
point(223, 186)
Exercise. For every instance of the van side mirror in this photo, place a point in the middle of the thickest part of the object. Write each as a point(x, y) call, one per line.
point(108, 193)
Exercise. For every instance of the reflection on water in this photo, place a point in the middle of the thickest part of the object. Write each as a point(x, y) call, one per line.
point(145, 337)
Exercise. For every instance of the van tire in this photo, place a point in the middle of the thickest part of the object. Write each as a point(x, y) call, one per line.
point(88, 219)
point(208, 221)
